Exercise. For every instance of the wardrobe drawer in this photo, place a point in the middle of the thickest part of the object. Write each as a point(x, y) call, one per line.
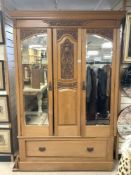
point(66, 148)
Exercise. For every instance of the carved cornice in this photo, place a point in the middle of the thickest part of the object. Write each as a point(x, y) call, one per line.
point(72, 32)
point(64, 85)
point(106, 33)
point(60, 15)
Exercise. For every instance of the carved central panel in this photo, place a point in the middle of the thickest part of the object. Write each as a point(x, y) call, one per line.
point(67, 60)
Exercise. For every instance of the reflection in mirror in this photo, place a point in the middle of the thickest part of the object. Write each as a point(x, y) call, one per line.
point(98, 79)
point(35, 79)
point(124, 123)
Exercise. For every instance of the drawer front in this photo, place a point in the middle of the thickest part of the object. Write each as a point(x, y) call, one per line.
point(66, 148)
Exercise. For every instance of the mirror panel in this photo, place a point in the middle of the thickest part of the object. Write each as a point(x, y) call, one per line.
point(98, 79)
point(35, 77)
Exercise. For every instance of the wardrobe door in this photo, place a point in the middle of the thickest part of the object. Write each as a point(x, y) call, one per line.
point(67, 65)
point(35, 81)
point(98, 75)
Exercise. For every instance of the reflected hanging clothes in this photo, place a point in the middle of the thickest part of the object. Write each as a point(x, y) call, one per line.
point(98, 87)
point(102, 103)
point(91, 94)
point(107, 69)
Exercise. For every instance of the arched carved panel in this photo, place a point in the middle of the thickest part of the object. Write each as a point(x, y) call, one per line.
point(106, 33)
point(26, 33)
point(72, 32)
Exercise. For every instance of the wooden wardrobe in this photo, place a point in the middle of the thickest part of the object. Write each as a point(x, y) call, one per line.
point(66, 117)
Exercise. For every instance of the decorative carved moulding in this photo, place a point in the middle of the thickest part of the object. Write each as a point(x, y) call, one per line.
point(72, 32)
point(67, 22)
point(106, 33)
point(67, 60)
point(81, 22)
point(64, 85)
point(26, 33)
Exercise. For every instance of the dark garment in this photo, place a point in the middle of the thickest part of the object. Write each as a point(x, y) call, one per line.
point(102, 105)
point(91, 102)
point(102, 83)
point(98, 93)
point(88, 83)
point(107, 69)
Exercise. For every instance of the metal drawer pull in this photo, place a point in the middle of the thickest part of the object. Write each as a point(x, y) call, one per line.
point(50, 86)
point(42, 149)
point(83, 86)
point(90, 149)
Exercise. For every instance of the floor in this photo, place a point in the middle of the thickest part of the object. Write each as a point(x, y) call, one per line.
point(6, 169)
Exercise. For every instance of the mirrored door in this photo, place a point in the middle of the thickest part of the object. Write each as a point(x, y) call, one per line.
point(36, 78)
point(97, 78)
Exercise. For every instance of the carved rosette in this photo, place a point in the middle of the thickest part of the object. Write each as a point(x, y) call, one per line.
point(106, 33)
point(72, 32)
point(67, 60)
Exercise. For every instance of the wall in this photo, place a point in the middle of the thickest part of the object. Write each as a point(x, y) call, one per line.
point(9, 69)
point(128, 6)
point(11, 76)
point(118, 5)
point(124, 100)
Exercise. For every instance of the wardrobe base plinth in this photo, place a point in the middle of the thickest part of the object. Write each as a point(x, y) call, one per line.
point(66, 166)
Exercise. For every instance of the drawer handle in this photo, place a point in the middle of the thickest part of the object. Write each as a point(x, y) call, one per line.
point(90, 149)
point(83, 86)
point(42, 149)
